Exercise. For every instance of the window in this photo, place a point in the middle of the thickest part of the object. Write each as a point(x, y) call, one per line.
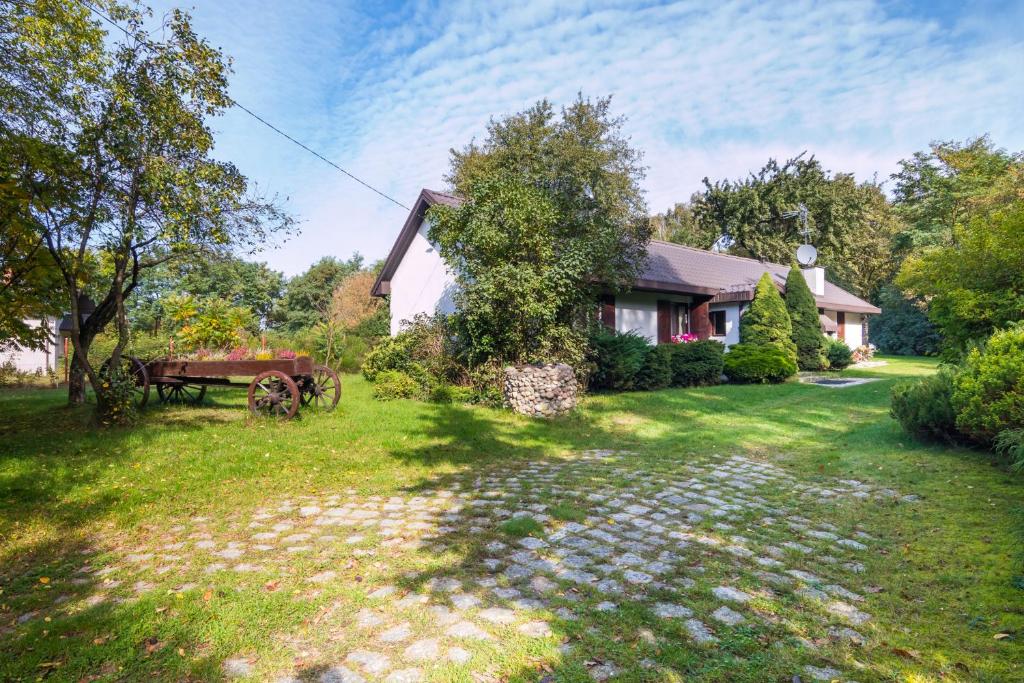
point(717, 323)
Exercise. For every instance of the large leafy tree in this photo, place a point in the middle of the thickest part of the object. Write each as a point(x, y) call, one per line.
point(307, 296)
point(803, 313)
point(108, 138)
point(251, 285)
point(680, 225)
point(552, 214)
point(946, 187)
point(850, 223)
point(974, 285)
point(903, 328)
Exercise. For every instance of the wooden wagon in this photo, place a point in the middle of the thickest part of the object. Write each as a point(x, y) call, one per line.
point(277, 388)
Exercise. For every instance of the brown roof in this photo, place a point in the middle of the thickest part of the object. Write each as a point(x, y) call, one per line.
point(730, 278)
point(670, 268)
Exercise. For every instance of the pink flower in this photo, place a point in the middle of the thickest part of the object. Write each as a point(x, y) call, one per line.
point(684, 338)
point(286, 354)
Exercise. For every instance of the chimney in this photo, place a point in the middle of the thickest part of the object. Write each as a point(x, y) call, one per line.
point(815, 280)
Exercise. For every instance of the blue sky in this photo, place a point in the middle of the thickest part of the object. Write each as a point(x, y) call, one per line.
point(709, 89)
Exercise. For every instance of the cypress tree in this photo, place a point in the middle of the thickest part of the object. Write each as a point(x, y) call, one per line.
point(767, 320)
point(803, 312)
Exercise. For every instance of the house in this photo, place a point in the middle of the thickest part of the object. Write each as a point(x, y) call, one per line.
point(681, 290)
point(41, 360)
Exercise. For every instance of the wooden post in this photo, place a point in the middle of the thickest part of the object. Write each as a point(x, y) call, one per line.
point(700, 320)
point(608, 311)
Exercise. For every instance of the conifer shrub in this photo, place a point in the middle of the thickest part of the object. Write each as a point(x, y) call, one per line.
point(803, 314)
point(697, 363)
point(759, 363)
point(656, 371)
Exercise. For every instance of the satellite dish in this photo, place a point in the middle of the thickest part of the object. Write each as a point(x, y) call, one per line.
point(806, 255)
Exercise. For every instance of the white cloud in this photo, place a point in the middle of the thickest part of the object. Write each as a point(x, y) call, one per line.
point(709, 90)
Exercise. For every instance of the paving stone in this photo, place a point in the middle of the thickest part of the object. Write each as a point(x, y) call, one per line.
point(730, 593)
point(464, 601)
point(812, 594)
point(728, 616)
point(323, 577)
point(602, 672)
point(426, 650)
point(236, 667)
point(636, 577)
point(542, 584)
point(533, 543)
point(458, 655)
point(668, 610)
point(367, 618)
point(444, 585)
point(848, 612)
point(396, 634)
point(467, 629)
point(606, 606)
point(340, 674)
point(535, 629)
point(498, 615)
point(371, 662)
point(699, 632)
point(382, 592)
point(822, 674)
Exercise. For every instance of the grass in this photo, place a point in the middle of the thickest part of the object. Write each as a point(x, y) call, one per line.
point(949, 604)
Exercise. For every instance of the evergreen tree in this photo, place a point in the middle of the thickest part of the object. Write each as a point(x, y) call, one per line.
point(767, 320)
point(803, 313)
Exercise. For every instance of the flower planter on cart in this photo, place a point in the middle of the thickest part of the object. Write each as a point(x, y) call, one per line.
point(278, 386)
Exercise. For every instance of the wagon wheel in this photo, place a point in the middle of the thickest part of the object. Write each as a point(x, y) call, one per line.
point(275, 394)
point(137, 370)
point(181, 393)
point(322, 389)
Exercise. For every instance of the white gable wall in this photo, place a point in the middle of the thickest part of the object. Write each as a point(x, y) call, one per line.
point(732, 322)
point(32, 360)
point(421, 283)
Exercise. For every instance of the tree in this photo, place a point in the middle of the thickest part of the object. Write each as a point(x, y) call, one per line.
point(30, 285)
point(803, 313)
point(974, 285)
point(946, 187)
point(307, 297)
point(552, 214)
point(766, 320)
point(851, 224)
point(903, 327)
point(240, 283)
point(110, 143)
point(679, 225)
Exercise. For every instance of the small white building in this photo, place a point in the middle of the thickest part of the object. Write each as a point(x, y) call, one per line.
point(48, 358)
point(682, 289)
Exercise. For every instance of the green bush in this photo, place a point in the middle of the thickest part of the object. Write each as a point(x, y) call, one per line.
point(656, 371)
point(617, 359)
point(392, 384)
point(391, 354)
point(988, 394)
point(838, 354)
point(803, 312)
point(697, 363)
point(448, 393)
point(923, 406)
point(1009, 443)
point(759, 363)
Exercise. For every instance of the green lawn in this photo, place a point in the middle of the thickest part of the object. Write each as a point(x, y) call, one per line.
point(945, 583)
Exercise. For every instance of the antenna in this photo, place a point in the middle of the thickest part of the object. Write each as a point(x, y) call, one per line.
point(806, 254)
point(801, 213)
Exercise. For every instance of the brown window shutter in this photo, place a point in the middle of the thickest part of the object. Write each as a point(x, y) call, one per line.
point(664, 322)
point(700, 321)
point(608, 311)
point(841, 324)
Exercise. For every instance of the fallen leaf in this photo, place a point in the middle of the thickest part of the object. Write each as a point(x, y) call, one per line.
point(1001, 636)
point(272, 585)
point(907, 654)
point(207, 595)
point(44, 580)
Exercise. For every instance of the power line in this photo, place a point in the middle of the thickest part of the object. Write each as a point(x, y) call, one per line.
point(262, 120)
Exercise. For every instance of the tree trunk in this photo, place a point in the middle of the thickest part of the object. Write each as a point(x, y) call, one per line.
point(76, 382)
point(76, 372)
